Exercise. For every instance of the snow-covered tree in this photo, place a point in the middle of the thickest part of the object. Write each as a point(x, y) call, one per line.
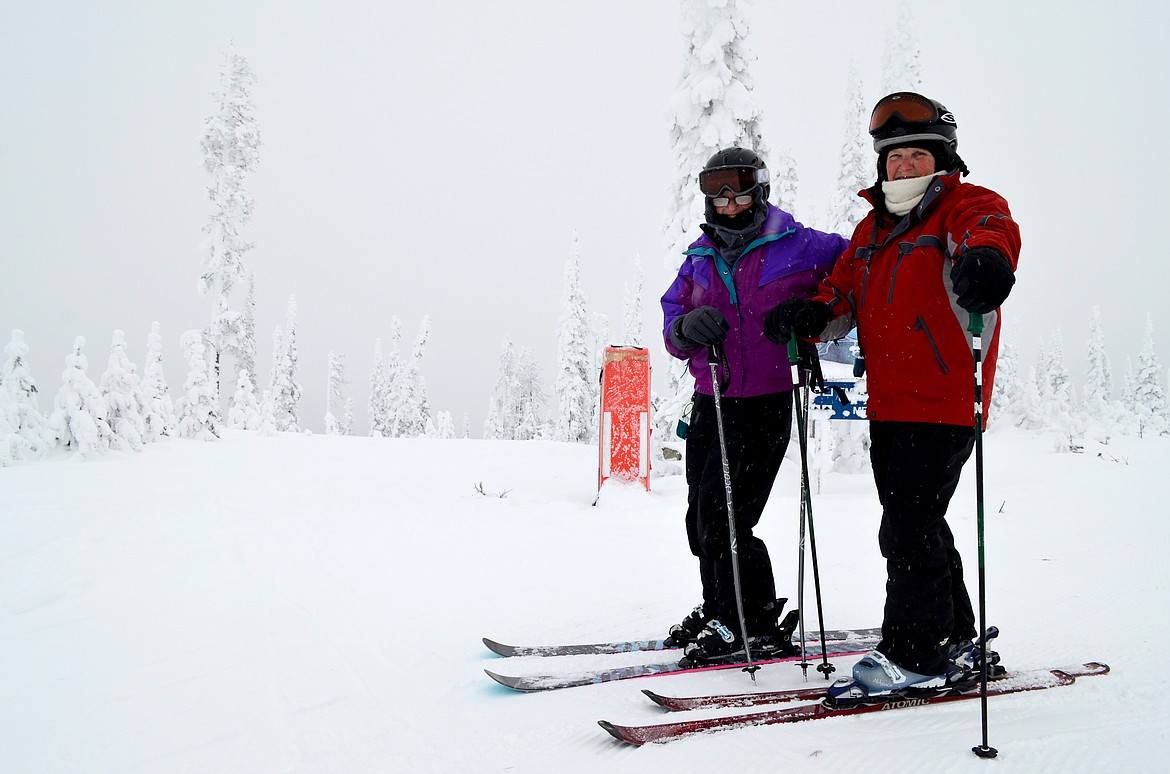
point(246, 351)
point(411, 407)
point(231, 150)
point(267, 416)
point(1057, 400)
point(346, 427)
point(1007, 397)
point(286, 391)
point(575, 357)
point(857, 166)
point(901, 58)
point(24, 430)
point(633, 328)
point(197, 409)
point(1030, 413)
point(784, 180)
point(125, 401)
point(244, 413)
point(78, 421)
point(442, 426)
point(1098, 406)
point(518, 403)
point(159, 412)
point(713, 107)
point(335, 394)
point(532, 397)
point(1149, 395)
point(1127, 410)
point(379, 403)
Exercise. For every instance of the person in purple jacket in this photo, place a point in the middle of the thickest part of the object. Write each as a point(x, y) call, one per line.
point(751, 257)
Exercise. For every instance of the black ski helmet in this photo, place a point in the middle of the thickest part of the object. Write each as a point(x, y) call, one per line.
point(730, 158)
point(907, 119)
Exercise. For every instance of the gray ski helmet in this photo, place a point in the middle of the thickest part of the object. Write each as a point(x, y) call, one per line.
point(740, 158)
point(905, 117)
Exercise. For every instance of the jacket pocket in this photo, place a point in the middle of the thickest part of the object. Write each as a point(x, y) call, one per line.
point(920, 325)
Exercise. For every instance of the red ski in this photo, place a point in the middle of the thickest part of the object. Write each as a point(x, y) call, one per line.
point(1011, 682)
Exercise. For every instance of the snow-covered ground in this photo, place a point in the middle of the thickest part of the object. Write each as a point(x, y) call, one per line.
point(315, 604)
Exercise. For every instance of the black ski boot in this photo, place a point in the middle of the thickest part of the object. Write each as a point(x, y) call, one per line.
point(716, 644)
point(682, 634)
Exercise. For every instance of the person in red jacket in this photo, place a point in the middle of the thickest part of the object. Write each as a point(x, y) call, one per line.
point(933, 252)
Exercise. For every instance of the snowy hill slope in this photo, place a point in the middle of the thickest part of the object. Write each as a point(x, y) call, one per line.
point(314, 604)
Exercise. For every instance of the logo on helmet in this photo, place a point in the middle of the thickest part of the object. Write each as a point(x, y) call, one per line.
point(948, 118)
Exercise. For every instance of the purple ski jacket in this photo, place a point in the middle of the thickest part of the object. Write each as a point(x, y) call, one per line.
point(786, 260)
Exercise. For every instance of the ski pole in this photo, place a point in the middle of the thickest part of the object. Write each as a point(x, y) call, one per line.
point(800, 580)
point(802, 429)
point(975, 326)
point(716, 357)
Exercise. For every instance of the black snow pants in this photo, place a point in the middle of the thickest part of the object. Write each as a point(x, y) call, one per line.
point(916, 466)
point(757, 431)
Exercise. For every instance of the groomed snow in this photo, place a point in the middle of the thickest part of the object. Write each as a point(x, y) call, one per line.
point(315, 604)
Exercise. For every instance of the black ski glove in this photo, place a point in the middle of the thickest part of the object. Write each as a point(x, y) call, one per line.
point(982, 279)
point(807, 318)
point(702, 327)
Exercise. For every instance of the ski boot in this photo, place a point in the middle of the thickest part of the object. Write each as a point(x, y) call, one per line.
point(682, 634)
point(876, 679)
point(717, 643)
point(776, 640)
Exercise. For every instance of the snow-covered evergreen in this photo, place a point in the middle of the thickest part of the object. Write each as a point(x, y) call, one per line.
point(197, 410)
point(517, 407)
point(244, 413)
point(379, 402)
point(24, 430)
point(575, 357)
point(267, 416)
point(159, 408)
point(246, 352)
point(121, 389)
point(78, 422)
point(410, 407)
point(857, 166)
point(713, 108)
point(335, 399)
point(785, 180)
point(442, 425)
point(286, 391)
point(231, 150)
point(1098, 407)
point(633, 326)
point(1008, 393)
point(1149, 394)
point(1054, 383)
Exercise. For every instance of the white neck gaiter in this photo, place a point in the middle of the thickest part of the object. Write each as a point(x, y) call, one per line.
point(904, 195)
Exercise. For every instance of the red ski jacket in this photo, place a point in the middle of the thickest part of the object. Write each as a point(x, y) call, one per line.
point(894, 283)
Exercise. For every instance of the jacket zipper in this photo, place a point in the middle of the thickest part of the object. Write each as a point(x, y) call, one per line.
point(920, 325)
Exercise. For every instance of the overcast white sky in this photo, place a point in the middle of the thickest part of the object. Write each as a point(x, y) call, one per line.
point(435, 158)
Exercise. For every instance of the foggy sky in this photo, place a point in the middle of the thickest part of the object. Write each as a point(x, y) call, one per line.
point(436, 161)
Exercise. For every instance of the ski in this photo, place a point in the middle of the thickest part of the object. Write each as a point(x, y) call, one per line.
point(532, 683)
point(633, 646)
point(757, 699)
point(1011, 682)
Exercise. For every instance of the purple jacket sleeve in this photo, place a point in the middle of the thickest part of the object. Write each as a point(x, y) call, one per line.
point(675, 303)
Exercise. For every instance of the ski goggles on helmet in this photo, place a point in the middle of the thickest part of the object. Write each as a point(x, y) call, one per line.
point(739, 180)
point(904, 107)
